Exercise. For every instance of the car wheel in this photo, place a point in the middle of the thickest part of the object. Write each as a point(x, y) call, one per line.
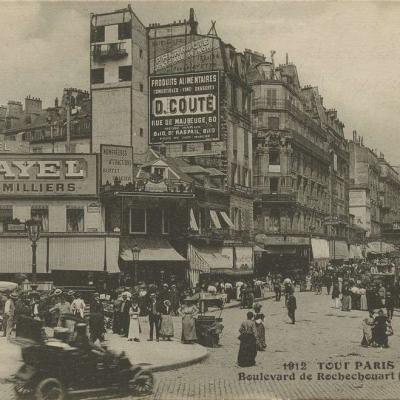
point(50, 389)
point(142, 384)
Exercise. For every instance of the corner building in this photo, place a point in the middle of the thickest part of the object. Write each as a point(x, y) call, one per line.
point(218, 139)
point(301, 204)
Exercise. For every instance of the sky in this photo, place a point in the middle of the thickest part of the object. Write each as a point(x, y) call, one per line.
point(350, 50)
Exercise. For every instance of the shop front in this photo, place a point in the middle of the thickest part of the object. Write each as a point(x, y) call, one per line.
point(59, 192)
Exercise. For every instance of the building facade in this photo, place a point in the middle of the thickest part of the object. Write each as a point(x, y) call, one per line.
point(300, 168)
point(118, 80)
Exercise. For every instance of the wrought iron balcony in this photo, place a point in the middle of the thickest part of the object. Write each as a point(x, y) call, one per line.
point(101, 52)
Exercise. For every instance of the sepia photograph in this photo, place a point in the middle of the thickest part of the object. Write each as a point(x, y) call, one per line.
point(199, 200)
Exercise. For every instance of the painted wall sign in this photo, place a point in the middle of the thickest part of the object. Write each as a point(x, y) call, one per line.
point(116, 164)
point(184, 108)
point(48, 174)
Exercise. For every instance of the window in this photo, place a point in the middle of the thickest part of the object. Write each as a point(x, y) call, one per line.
point(140, 53)
point(165, 221)
point(207, 146)
point(141, 132)
point(138, 218)
point(141, 87)
point(246, 144)
point(37, 150)
point(233, 96)
point(184, 147)
point(97, 75)
point(6, 216)
point(271, 97)
point(274, 157)
point(233, 174)
point(41, 213)
point(159, 172)
point(75, 219)
point(273, 185)
point(273, 123)
point(124, 30)
point(97, 34)
point(125, 73)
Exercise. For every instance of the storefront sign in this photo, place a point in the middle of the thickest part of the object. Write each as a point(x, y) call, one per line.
point(94, 208)
point(116, 164)
point(16, 227)
point(48, 175)
point(184, 108)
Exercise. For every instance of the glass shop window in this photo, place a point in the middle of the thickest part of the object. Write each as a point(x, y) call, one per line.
point(41, 213)
point(75, 219)
point(6, 217)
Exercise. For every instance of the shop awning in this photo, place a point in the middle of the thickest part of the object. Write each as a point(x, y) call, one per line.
point(231, 272)
point(227, 220)
point(380, 248)
point(151, 249)
point(355, 252)
point(215, 219)
point(82, 254)
point(340, 251)
point(320, 248)
point(16, 255)
point(112, 254)
point(193, 222)
point(216, 257)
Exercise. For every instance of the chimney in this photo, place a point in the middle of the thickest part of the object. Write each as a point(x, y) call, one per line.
point(15, 109)
point(354, 136)
point(192, 23)
point(56, 102)
point(287, 58)
point(362, 141)
point(33, 105)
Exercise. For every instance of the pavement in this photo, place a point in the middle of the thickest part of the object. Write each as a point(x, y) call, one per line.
point(321, 335)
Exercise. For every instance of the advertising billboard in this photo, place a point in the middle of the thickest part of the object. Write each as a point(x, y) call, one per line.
point(31, 175)
point(184, 108)
point(181, 53)
point(116, 164)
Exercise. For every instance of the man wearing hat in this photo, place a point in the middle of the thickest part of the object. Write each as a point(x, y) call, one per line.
point(9, 314)
point(153, 310)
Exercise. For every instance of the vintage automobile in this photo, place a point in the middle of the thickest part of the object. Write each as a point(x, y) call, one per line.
point(55, 368)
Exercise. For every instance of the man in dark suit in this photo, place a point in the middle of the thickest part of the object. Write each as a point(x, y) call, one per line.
point(124, 315)
point(291, 307)
point(153, 309)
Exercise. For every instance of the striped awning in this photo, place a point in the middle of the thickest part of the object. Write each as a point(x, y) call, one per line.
point(320, 248)
point(151, 249)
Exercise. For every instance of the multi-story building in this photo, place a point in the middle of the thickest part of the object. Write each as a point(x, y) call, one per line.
point(64, 128)
point(364, 187)
point(199, 113)
point(389, 201)
point(118, 80)
point(300, 168)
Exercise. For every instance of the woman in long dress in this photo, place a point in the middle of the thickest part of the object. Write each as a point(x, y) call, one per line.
point(134, 323)
point(260, 328)
point(248, 342)
point(380, 330)
point(167, 325)
point(336, 296)
point(346, 299)
point(188, 311)
point(363, 300)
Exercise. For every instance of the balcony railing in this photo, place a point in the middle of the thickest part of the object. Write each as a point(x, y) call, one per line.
point(109, 50)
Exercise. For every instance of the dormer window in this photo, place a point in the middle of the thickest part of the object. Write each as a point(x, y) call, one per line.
point(159, 172)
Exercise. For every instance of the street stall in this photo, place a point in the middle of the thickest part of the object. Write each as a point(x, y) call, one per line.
point(208, 327)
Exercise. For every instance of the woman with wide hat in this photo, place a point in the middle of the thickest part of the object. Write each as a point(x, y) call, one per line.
point(134, 323)
point(188, 311)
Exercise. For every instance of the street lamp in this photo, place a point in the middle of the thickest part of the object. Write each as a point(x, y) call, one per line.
point(135, 253)
point(33, 227)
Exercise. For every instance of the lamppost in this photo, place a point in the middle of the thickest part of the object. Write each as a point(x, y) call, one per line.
point(135, 253)
point(33, 227)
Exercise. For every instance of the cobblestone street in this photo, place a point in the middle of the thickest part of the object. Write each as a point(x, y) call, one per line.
point(321, 334)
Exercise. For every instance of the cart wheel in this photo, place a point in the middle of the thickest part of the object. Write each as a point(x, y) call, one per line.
point(50, 389)
point(142, 384)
